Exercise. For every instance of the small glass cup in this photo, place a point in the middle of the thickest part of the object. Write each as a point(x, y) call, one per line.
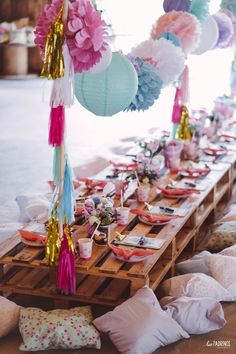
point(143, 193)
point(122, 216)
point(85, 248)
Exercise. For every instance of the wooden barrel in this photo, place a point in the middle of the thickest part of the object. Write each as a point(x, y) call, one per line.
point(15, 60)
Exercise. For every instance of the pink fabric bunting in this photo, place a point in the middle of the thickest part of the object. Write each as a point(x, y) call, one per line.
point(66, 276)
point(56, 126)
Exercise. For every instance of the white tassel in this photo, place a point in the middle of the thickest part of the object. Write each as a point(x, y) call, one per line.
point(63, 88)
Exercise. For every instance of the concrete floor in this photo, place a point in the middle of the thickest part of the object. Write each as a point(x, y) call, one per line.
point(26, 158)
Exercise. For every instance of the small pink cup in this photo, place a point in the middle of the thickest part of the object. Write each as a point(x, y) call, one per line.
point(143, 193)
point(85, 248)
point(122, 216)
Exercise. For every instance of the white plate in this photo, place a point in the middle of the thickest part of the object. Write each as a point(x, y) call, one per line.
point(218, 153)
point(32, 243)
point(145, 221)
point(173, 196)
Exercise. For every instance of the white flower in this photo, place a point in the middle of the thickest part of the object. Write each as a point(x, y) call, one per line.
point(153, 146)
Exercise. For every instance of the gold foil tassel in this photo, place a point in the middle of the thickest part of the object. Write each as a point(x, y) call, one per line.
point(69, 238)
point(53, 241)
point(53, 64)
point(184, 129)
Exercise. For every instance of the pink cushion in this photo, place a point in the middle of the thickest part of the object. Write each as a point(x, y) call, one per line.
point(229, 251)
point(223, 269)
point(195, 285)
point(139, 325)
point(195, 315)
point(10, 314)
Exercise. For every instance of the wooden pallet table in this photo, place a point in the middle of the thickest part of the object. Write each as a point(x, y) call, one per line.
point(104, 279)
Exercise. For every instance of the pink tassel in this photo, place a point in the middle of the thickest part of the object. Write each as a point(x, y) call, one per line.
point(176, 113)
point(184, 88)
point(57, 125)
point(66, 276)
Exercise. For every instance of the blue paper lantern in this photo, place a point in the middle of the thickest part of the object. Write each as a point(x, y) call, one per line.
point(171, 37)
point(110, 91)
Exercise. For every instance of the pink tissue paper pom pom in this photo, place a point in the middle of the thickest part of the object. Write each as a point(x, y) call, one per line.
point(44, 23)
point(184, 25)
point(85, 32)
point(85, 35)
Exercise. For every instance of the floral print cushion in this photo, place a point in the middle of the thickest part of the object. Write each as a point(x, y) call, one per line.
point(223, 236)
point(67, 329)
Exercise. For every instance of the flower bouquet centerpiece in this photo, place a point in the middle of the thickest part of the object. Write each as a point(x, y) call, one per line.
point(148, 162)
point(148, 168)
point(100, 213)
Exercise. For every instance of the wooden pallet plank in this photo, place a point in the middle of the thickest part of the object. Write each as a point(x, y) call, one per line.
point(7, 245)
point(98, 253)
point(32, 279)
point(90, 286)
point(115, 289)
point(17, 277)
point(28, 254)
point(111, 265)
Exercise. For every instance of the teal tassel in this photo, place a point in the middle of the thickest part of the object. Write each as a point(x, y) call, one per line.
point(66, 208)
point(56, 163)
point(174, 130)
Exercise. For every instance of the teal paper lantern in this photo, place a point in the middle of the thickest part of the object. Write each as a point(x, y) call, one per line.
point(110, 91)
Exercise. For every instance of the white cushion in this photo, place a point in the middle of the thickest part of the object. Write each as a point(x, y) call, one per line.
point(196, 264)
point(139, 325)
point(223, 269)
point(10, 313)
point(195, 315)
point(195, 285)
point(229, 251)
point(31, 206)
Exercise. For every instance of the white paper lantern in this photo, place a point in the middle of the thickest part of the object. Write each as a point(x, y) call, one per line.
point(103, 63)
point(209, 36)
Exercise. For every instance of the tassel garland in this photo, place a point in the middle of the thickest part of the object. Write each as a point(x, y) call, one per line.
point(176, 113)
point(63, 88)
point(53, 240)
point(53, 64)
point(57, 126)
point(184, 130)
point(66, 206)
point(66, 276)
point(56, 163)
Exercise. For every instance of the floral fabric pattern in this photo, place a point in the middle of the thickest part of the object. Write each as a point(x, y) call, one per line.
point(67, 329)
